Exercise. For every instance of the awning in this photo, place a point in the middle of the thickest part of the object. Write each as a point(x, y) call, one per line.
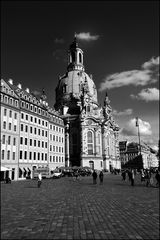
point(29, 170)
point(21, 169)
point(25, 170)
point(4, 169)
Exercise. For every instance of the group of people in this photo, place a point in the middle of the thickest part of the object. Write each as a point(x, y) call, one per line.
point(95, 175)
point(146, 176)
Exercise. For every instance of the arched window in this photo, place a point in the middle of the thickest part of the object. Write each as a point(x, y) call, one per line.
point(90, 142)
point(80, 57)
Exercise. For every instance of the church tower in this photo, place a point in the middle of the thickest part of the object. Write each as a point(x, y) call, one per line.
point(89, 128)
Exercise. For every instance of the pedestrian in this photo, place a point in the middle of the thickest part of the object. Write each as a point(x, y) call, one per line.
point(147, 176)
point(157, 177)
point(142, 176)
point(132, 177)
point(123, 175)
point(94, 175)
point(129, 174)
point(101, 177)
point(39, 180)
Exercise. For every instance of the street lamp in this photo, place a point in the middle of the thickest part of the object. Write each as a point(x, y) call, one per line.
point(137, 125)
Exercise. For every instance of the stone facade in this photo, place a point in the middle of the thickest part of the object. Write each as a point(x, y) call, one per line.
point(32, 133)
point(90, 131)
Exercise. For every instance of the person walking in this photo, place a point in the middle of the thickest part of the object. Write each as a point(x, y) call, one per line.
point(123, 175)
point(101, 177)
point(94, 175)
point(132, 177)
point(39, 180)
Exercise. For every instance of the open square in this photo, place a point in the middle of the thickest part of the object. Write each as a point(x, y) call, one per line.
point(66, 208)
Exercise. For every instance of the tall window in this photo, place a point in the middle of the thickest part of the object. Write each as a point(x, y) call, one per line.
point(14, 141)
point(80, 57)
point(4, 125)
point(3, 139)
point(8, 155)
point(14, 154)
point(10, 113)
point(5, 112)
point(2, 154)
point(90, 142)
point(9, 140)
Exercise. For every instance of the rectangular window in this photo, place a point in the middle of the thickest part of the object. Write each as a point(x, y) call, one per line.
point(30, 155)
point(43, 123)
point(9, 140)
point(21, 127)
point(39, 132)
point(50, 147)
point(8, 155)
point(5, 112)
point(21, 140)
point(10, 113)
point(2, 154)
point(45, 144)
point(34, 155)
point(50, 158)
point(51, 137)
point(14, 155)
point(4, 125)
point(26, 128)
point(38, 156)
point(15, 128)
point(20, 156)
point(35, 130)
point(35, 143)
point(46, 133)
point(26, 117)
point(30, 129)
point(25, 141)
point(22, 115)
point(9, 127)
point(50, 126)
point(31, 119)
point(53, 158)
point(25, 155)
point(53, 148)
point(39, 121)
point(3, 139)
point(35, 120)
point(30, 142)
point(42, 156)
point(42, 132)
point(38, 143)
point(42, 144)
point(45, 156)
point(14, 141)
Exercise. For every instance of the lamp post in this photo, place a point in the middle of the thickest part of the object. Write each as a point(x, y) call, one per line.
point(137, 125)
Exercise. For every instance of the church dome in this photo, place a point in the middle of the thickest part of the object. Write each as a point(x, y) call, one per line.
point(75, 84)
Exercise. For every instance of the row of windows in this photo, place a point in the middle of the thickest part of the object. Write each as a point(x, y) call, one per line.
point(56, 149)
point(36, 120)
point(56, 138)
point(35, 143)
point(53, 127)
point(9, 126)
point(56, 159)
point(8, 155)
point(33, 156)
point(10, 113)
point(8, 140)
point(36, 131)
point(9, 100)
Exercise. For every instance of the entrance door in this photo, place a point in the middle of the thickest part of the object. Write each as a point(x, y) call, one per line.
point(91, 164)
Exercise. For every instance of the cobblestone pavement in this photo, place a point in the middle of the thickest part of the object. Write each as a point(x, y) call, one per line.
point(76, 209)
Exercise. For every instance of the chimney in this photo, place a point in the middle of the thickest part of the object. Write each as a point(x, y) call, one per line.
point(19, 86)
point(27, 90)
point(10, 81)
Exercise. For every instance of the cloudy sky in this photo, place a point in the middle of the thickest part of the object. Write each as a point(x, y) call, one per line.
point(121, 51)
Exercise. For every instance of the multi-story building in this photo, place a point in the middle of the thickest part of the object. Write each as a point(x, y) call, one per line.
point(130, 150)
point(27, 124)
point(91, 135)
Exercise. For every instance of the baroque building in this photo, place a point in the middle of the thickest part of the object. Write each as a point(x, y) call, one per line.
point(91, 134)
point(32, 133)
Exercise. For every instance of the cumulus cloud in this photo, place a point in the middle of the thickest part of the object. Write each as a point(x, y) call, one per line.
point(59, 40)
point(131, 130)
point(148, 94)
point(148, 74)
point(128, 111)
point(87, 36)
